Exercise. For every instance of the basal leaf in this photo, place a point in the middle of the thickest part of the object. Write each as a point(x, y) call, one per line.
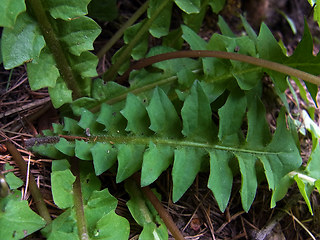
point(105, 229)
point(71, 126)
point(12, 180)
point(85, 64)
point(313, 166)
point(305, 191)
point(42, 71)
point(161, 110)
point(60, 94)
point(281, 190)
point(193, 39)
point(78, 34)
point(156, 159)
point(9, 11)
point(197, 116)
point(160, 26)
point(221, 177)
point(129, 159)
point(189, 6)
point(217, 5)
point(21, 43)
point(145, 214)
point(224, 28)
point(17, 220)
point(61, 182)
point(99, 204)
point(187, 163)
point(67, 10)
point(62, 227)
point(140, 49)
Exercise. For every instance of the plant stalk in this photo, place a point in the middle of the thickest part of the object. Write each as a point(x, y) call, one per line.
point(78, 202)
point(167, 219)
point(35, 192)
point(225, 55)
point(125, 55)
point(124, 27)
point(55, 47)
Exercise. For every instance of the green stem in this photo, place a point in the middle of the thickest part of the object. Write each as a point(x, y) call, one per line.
point(125, 55)
point(78, 202)
point(120, 32)
point(55, 47)
point(35, 192)
point(225, 55)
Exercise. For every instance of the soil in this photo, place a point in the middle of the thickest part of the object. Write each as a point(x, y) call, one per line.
point(25, 113)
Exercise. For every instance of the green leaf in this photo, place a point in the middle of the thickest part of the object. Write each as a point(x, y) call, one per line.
point(145, 214)
point(224, 28)
point(313, 166)
point(231, 117)
point(108, 228)
point(188, 6)
point(161, 110)
point(160, 25)
point(129, 159)
point(193, 39)
point(99, 204)
point(140, 49)
point(89, 124)
point(217, 5)
point(136, 115)
point(60, 94)
point(155, 160)
point(78, 34)
point(221, 177)
point(61, 183)
point(9, 11)
point(13, 181)
point(85, 64)
point(303, 190)
point(196, 115)
point(42, 71)
point(248, 179)
point(186, 165)
point(82, 150)
point(104, 156)
point(67, 10)
point(281, 190)
point(17, 220)
point(62, 227)
point(65, 147)
point(21, 43)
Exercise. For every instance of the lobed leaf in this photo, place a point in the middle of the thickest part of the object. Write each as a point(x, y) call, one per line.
point(189, 142)
point(67, 10)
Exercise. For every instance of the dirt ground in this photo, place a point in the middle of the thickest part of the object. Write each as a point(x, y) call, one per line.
point(24, 113)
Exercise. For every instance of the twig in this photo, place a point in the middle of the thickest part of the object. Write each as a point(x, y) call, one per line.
point(26, 106)
point(35, 192)
point(168, 221)
point(224, 55)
